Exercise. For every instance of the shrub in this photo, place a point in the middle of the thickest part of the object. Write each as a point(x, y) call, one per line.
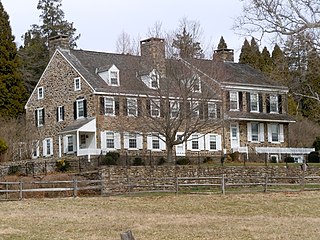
point(289, 160)
point(183, 161)
point(108, 160)
point(62, 165)
point(207, 160)
point(3, 146)
point(316, 144)
point(114, 155)
point(161, 161)
point(13, 170)
point(235, 156)
point(138, 161)
point(313, 157)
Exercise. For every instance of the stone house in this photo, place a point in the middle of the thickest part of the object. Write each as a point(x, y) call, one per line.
point(87, 103)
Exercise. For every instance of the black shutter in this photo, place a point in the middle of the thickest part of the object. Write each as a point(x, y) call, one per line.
point(260, 103)
point(116, 106)
point(280, 103)
point(205, 110)
point(148, 106)
point(75, 110)
point(218, 111)
point(125, 110)
point(240, 101)
point(201, 105)
point(62, 112)
point(228, 100)
point(85, 108)
point(57, 114)
point(248, 102)
point(139, 106)
point(268, 103)
point(36, 117)
point(102, 108)
point(43, 117)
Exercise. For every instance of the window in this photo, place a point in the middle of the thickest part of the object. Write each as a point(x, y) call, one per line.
point(110, 140)
point(273, 104)
point(80, 109)
point(195, 142)
point(83, 141)
point(70, 143)
point(254, 102)
point(155, 108)
point(109, 106)
point(234, 104)
point(40, 93)
point(155, 142)
point(196, 85)
point(114, 76)
point(60, 113)
point(77, 84)
point(39, 117)
point(154, 79)
point(47, 147)
point(174, 109)
point(195, 109)
point(255, 132)
point(213, 142)
point(212, 110)
point(132, 106)
point(35, 149)
point(133, 141)
point(275, 132)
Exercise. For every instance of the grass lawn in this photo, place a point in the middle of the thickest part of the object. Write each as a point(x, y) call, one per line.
point(152, 217)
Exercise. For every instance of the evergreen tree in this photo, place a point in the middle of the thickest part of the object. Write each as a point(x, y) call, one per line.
point(222, 44)
point(185, 43)
point(265, 61)
point(280, 67)
point(12, 90)
point(250, 54)
point(245, 53)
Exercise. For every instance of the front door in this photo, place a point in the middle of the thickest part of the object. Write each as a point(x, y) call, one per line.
point(234, 135)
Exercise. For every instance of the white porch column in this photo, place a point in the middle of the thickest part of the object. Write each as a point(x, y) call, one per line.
point(60, 151)
point(78, 145)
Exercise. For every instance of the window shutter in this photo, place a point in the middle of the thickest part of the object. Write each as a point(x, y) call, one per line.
point(228, 100)
point(103, 140)
point(85, 108)
point(62, 112)
point(261, 132)
point(218, 111)
point(207, 141)
point(117, 141)
point(269, 133)
point(148, 107)
point(74, 143)
point(102, 107)
point(248, 102)
point(162, 143)
point(116, 106)
point(36, 117)
point(219, 143)
point(125, 110)
point(240, 101)
point(139, 141)
point(281, 133)
point(280, 103)
point(260, 103)
point(44, 147)
point(51, 146)
point(126, 140)
point(57, 111)
point(205, 110)
point(201, 142)
point(268, 103)
point(44, 118)
point(201, 105)
point(65, 144)
point(149, 141)
point(139, 105)
point(75, 110)
point(189, 143)
point(249, 135)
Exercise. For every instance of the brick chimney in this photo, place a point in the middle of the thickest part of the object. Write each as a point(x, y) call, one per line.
point(223, 54)
point(153, 55)
point(56, 41)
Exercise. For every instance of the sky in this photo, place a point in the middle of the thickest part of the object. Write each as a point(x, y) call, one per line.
point(100, 22)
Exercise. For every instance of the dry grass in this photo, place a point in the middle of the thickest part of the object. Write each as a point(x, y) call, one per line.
point(233, 216)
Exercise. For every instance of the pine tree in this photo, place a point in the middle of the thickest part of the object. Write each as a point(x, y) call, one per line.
point(280, 67)
point(250, 54)
point(245, 53)
point(12, 90)
point(222, 44)
point(265, 61)
point(186, 45)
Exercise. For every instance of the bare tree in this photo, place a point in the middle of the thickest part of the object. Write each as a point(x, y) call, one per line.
point(123, 44)
point(156, 30)
point(184, 102)
point(303, 133)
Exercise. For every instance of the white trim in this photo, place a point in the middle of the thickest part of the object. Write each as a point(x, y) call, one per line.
point(75, 83)
point(135, 107)
point(252, 87)
point(42, 96)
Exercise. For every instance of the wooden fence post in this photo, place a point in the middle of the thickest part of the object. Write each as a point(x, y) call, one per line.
point(127, 235)
point(7, 190)
point(223, 187)
point(20, 190)
point(266, 183)
point(177, 185)
point(75, 187)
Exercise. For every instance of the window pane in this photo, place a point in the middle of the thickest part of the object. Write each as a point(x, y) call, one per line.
point(110, 139)
point(234, 100)
point(274, 103)
point(155, 143)
point(275, 132)
point(254, 131)
point(70, 144)
point(132, 107)
point(132, 141)
point(114, 77)
point(212, 110)
point(109, 105)
point(174, 109)
point(213, 142)
point(80, 108)
point(155, 108)
point(254, 101)
point(48, 147)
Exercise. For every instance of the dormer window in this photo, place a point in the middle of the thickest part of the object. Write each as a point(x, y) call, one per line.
point(109, 74)
point(40, 92)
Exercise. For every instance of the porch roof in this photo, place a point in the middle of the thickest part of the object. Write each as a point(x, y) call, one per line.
point(86, 125)
point(261, 117)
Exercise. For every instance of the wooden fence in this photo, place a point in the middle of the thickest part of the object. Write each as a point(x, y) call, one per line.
point(17, 190)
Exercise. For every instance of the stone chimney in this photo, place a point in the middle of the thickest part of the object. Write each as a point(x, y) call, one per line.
point(153, 55)
point(56, 41)
point(223, 54)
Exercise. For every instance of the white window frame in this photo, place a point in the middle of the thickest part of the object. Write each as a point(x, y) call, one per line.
point(155, 107)
point(116, 140)
point(174, 109)
point(132, 107)
point(77, 105)
point(195, 139)
point(60, 114)
point(35, 149)
point(40, 93)
point(154, 78)
point(133, 136)
point(196, 85)
point(77, 84)
point(111, 99)
point(254, 101)
point(47, 144)
point(234, 100)
point(212, 110)
point(195, 111)
point(260, 134)
point(280, 133)
point(113, 75)
point(211, 137)
point(151, 138)
point(273, 102)
point(67, 140)
point(40, 121)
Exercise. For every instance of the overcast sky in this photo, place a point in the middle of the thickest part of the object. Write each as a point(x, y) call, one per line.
point(100, 22)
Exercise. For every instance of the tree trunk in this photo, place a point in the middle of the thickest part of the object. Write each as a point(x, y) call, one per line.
point(170, 158)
